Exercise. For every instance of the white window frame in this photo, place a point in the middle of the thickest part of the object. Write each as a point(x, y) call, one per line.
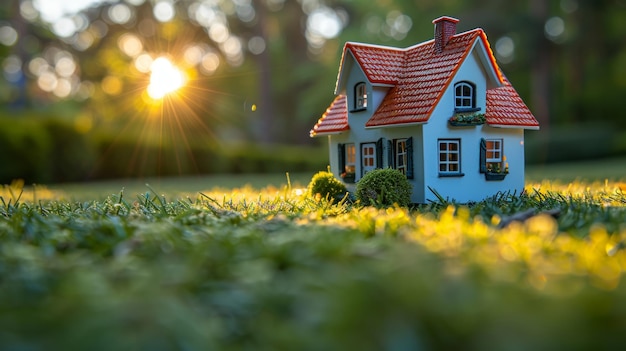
point(449, 156)
point(360, 96)
point(494, 152)
point(401, 155)
point(465, 99)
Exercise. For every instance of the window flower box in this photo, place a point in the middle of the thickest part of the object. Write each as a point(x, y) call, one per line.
point(348, 177)
point(496, 173)
point(462, 120)
point(495, 176)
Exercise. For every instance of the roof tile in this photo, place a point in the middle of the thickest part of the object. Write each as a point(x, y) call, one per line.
point(506, 108)
point(334, 120)
point(424, 80)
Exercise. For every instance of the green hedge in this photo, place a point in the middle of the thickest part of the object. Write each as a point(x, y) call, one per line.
point(46, 150)
point(24, 151)
point(130, 158)
point(572, 143)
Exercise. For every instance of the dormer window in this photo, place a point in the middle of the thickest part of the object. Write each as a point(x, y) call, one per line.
point(465, 97)
point(360, 96)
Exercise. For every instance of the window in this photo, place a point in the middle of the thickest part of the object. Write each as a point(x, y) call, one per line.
point(400, 158)
point(368, 157)
point(493, 155)
point(360, 96)
point(464, 97)
point(492, 160)
point(449, 157)
point(347, 162)
point(350, 154)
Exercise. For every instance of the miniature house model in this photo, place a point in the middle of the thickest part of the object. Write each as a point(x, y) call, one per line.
point(441, 112)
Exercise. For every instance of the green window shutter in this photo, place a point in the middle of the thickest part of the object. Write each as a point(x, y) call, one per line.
point(482, 159)
point(379, 153)
point(409, 158)
point(390, 155)
point(341, 156)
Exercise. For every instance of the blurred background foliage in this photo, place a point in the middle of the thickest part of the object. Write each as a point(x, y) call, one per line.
point(260, 73)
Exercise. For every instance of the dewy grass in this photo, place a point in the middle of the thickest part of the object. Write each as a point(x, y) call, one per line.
point(275, 269)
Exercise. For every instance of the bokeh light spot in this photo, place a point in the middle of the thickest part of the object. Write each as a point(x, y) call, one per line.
point(12, 67)
point(219, 33)
point(65, 66)
point(256, 45)
point(120, 13)
point(324, 22)
point(28, 10)
point(47, 81)
point(38, 66)
point(193, 55)
point(63, 88)
point(555, 28)
point(143, 63)
point(112, 85)
point(210, 62)
point(505, 49)
point(130, 44)
point(8, 36)
point(164, 11)
point(64, 27)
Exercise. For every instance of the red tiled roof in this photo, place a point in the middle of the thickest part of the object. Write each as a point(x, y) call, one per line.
point(334, 120)
point(506, 108)
point(419, 77)
point(381, 64)
point(426, 77)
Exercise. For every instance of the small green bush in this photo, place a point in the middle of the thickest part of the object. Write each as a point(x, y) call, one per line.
point(327, 186)
point(384, 187)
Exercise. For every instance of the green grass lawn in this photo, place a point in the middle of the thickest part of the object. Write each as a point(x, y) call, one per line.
point(593, 170)
point(177, 186)
point(88, 266)
point(599, 170)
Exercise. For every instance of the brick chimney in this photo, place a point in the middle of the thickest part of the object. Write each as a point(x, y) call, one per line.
point(445, 28)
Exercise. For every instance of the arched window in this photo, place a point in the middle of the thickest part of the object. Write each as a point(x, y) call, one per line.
point(464, 96)
point(360, 96)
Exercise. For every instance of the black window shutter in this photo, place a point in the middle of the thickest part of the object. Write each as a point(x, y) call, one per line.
point(379, 153)
point(390, 154)
point(341, 156)
point(409, 158)
point(482, 159)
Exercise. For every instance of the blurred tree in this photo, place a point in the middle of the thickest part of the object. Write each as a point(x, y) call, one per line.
point(264, 70)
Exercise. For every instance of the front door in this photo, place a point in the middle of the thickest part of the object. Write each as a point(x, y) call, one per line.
point(368, 157)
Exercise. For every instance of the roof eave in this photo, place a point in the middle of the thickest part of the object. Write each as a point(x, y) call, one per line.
point(488, 59)
point(340, 75)
point(395, 125)
point(514, 126)
point(318, 134)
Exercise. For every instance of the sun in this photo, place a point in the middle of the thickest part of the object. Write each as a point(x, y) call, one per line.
point(165, 78)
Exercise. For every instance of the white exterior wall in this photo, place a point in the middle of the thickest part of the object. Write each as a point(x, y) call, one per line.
point(356, 120)
point(472, 186)
point(358, 134)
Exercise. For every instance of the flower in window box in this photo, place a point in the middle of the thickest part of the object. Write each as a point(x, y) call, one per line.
point(467, 120)
point(495, 171)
